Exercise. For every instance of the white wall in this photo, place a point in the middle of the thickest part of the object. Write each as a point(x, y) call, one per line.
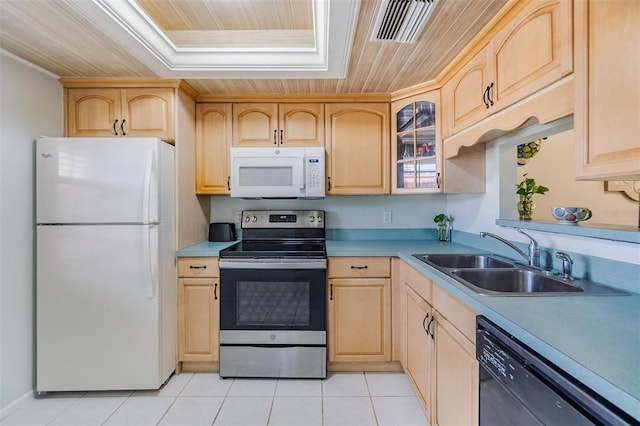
point(31, 105)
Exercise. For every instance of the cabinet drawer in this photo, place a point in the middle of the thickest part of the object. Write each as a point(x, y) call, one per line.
point(418, 283)
point(462, 317)
point(359, 267)
point(201, 267)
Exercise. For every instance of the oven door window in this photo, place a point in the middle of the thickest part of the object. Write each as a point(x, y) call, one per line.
point(272, 299)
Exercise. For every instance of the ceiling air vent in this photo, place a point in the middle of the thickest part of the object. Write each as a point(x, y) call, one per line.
point(401, 20)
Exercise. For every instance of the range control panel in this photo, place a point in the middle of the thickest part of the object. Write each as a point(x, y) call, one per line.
point(283, 219)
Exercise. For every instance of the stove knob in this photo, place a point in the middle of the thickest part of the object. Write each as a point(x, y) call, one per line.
point(312, 219)
point(247, 219)
point(319, 218)
point(254, 219)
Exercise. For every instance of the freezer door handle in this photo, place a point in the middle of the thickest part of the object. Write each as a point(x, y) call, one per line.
point(149, 190)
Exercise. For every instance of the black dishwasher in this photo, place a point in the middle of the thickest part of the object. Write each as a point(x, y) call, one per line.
point(519, 387)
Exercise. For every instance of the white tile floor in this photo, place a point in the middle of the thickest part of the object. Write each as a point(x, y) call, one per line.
point(351, 399)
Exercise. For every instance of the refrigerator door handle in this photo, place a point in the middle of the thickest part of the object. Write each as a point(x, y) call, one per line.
point(149, 243)
point(149, 190)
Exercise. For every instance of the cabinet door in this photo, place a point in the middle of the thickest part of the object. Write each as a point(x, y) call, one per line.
point(420, 347)
point(607, 106)
point(464, 96)
point(213, 141)
point(358, 148)
point(93, 112)
point(456, 371)
point(532, 51)
point(198, 319)
point(416, 154)
point(301, 124)
point(359, 325)
point(255, 124)
point(148, 112)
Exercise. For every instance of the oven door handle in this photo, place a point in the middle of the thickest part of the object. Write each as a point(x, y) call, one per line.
point(272, 264)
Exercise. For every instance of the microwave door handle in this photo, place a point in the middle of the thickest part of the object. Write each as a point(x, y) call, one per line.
point(302, 173)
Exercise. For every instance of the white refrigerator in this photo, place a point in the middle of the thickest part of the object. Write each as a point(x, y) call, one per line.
point(105, 256)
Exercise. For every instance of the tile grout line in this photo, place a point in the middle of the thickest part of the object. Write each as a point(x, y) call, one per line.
point(175, 398)
point(375, 416)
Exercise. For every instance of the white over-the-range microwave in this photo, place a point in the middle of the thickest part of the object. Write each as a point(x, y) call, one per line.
point(279, 172)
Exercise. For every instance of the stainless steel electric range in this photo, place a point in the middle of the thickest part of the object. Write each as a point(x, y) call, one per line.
point(273, 297)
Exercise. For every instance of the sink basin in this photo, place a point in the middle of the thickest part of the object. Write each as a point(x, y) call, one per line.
point(515, 282)
point(476, 261)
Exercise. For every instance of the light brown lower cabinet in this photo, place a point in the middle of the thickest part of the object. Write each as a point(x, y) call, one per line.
point(420, 351)
point(198, 312)
point(359, 309)
point(456, 376)
point(439, 350)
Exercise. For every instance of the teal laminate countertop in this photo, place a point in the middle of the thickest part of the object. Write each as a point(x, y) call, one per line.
point(595, 339)
point(204, 249)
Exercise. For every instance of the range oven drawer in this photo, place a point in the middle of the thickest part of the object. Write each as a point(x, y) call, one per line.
point(273, 362)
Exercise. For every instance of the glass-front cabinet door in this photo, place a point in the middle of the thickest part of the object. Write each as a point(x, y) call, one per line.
point(416, 156)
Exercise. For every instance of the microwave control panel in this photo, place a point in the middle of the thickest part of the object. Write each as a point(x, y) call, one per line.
point(314, 176)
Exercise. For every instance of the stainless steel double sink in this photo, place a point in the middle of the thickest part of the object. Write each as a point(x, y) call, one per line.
point(492, 275)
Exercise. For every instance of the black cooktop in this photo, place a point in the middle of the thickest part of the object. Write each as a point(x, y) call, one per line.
point(280, 248)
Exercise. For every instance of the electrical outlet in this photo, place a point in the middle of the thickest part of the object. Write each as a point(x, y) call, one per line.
point(386, 217)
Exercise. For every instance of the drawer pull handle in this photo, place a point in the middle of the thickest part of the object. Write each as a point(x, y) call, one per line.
point(330, 291)
point(197, 267)
point(115, 131)
point(359, 267)
point(122, 127)
point(215, 291)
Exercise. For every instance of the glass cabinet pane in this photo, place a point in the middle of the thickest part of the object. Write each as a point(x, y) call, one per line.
point(405, 146)
point(405, 119)
point(406, 174)
point(425, 114)
point(426, 143)
point(426, 174)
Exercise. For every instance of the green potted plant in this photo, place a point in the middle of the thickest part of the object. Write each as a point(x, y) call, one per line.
point(525, 190)
point(442, 226)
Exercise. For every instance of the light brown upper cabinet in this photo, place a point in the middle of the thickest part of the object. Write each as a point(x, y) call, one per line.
point(213, 141)
point(273, 124)
point(118, 112)
point(533, 50)
point(607, 90)
point(358, 148)
point(416, 155)
point(461, 95)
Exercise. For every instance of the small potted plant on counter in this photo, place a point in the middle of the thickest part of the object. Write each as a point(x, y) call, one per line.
point(442, 226)
point(525, 190)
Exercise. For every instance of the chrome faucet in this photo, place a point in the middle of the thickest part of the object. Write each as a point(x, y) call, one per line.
point(533, 257)
point(566, 264)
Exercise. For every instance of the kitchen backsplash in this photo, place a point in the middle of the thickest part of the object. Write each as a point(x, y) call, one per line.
point(348, 212)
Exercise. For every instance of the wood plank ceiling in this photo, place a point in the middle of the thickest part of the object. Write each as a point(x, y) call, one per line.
point(55, 36)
